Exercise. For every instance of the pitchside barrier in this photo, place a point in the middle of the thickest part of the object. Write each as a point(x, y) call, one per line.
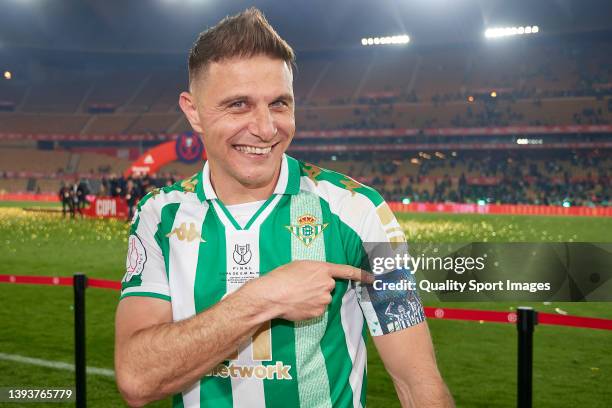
point(112, 207)
point(525, 320)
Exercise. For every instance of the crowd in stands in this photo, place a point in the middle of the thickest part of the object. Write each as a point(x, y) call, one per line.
point(579, 181)
point(575, 180)
point(561, 178)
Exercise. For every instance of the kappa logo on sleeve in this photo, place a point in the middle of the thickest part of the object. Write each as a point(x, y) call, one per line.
point(136, 258)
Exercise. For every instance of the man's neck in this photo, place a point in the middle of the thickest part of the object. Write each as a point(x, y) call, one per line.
point(230, 191)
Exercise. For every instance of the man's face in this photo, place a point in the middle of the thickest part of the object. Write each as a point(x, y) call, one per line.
point(244, 109)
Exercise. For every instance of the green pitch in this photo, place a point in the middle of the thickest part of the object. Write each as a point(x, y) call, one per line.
point(572, 367)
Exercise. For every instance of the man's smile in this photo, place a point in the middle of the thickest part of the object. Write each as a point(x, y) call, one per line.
point(254, 150)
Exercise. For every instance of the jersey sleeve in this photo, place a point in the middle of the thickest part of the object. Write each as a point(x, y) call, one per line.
point(385, 310)
point(145, 267)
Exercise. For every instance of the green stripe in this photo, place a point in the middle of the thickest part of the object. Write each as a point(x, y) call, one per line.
point(364, 385)
point(293, 176)
point(210, 286)
point(200, 185)
point(313, 382)
point(275, 249)
point(177, 401)
point(333, 344)
point(146, 294)
point(168, 214)
point(134, 225)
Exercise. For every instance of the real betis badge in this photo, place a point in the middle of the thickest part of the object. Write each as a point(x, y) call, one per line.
point(307, 229)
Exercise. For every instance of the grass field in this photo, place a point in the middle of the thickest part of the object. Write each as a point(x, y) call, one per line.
point(572, 367)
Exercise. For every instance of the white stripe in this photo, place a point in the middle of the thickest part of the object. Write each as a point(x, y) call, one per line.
point(182, 267)
point(352, 323)
point(246, 392)
point(283, 177)
point(54, 364)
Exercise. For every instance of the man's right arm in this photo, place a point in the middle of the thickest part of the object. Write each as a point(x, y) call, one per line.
point(155, 357)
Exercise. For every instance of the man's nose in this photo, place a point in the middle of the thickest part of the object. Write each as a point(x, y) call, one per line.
point(263, 124)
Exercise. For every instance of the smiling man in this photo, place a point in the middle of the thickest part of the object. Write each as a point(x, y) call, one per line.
point(244, 283)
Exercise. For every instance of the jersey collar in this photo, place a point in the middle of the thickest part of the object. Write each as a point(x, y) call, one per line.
point(288, 180)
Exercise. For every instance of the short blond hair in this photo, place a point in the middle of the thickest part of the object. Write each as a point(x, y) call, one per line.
point(245, 34)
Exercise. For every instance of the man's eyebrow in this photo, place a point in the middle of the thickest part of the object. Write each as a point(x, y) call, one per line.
point(285, 97)
point(233, 98)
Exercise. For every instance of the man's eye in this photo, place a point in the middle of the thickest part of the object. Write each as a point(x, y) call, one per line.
point(238, 104)
point(279, 103)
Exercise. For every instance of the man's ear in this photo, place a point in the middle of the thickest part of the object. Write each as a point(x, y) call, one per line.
point(187, 104)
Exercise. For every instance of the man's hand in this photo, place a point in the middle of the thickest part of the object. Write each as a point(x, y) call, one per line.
point(302, 290)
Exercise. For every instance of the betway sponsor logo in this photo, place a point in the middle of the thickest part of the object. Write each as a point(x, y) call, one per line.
point(278, 371)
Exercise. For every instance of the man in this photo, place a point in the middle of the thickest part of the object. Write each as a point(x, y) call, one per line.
point(64, 196)
point(242, 286)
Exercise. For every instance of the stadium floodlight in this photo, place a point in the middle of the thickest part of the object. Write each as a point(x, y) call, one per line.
point(497, 32)
point(386, 40)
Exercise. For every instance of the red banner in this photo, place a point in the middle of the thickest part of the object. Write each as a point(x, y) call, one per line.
point(107, 207)
point(307, 134)
point(474, 131)
point(29, 197)
point(385, 147)
point(520, 209)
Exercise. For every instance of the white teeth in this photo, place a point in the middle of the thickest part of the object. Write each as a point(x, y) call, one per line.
point(253, 149)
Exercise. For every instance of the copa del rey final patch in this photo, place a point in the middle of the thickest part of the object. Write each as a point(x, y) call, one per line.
point(137, 256)
point(307, 229)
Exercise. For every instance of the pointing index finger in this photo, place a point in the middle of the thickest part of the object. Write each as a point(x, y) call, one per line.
point(350, 273)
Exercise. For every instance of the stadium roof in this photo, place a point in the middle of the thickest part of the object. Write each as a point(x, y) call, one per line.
point(171, 25)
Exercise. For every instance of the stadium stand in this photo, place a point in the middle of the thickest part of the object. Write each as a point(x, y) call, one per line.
point(535, 84)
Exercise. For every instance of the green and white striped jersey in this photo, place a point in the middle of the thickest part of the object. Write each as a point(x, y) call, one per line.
point(186, 248)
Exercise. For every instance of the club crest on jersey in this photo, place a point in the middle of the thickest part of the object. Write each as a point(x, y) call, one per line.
point(307, 229)
point(137, 256)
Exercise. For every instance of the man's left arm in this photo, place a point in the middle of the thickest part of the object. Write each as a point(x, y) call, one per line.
point(396, 319)
point(409, 358)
